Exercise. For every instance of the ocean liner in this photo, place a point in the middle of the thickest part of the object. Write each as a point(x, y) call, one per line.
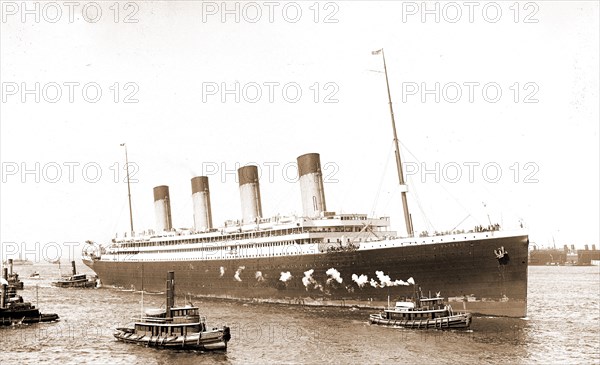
point(318, 258)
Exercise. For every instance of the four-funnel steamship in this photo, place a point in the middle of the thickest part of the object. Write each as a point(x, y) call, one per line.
point(320, 257)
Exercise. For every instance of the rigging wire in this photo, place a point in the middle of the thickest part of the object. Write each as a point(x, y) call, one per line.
point(385, 167)
point(391, 199)
point(461, 222)
point(443, 187)
point(428, 224)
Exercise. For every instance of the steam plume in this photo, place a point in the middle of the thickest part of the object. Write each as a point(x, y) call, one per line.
point(238, 272)
point(309, 280)
point(334, 275)
point(285, 276)
point(360, 280)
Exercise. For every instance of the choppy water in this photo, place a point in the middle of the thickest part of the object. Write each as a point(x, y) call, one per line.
point(563, 327)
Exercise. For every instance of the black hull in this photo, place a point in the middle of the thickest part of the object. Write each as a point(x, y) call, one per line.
point(467, 272)
point(10, 317)
point(84, 284)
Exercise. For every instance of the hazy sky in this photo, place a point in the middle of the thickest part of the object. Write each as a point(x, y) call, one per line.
point(533, 149)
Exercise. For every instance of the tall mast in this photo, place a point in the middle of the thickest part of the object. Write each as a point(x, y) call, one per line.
point(403, 187)
point(128, 189)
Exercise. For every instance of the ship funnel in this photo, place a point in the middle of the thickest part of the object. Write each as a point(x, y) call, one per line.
point(249, 193)
point(311, 185)
point(5, 273)
point(10, 267)
point(73, 269)
point(170, 292)
point(201, 201)
point(162, 208)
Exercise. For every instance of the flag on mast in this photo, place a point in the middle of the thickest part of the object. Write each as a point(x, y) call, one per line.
point(374, 53)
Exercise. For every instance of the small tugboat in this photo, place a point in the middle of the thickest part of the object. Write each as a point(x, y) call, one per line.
point(422, 313)
point(13, 277)
point(174, 327)
point(13, 310)
point(75, 280)
point(34, 275)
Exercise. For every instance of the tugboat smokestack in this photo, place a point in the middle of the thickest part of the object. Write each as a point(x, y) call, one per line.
point(5, 274)
point(10, 267)
point(162, 208)
point(73, 269)
point(3, 296)
point(311, 185)
point(170, 292)
point(201, 201)
point(249, 193)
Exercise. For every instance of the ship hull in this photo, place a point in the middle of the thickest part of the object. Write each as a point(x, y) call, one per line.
point(467, 272)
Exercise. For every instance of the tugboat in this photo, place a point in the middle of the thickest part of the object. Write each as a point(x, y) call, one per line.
point(422, 313)
point(13, 310)
point(75, 280)
point(13, 278)
point(174, 327)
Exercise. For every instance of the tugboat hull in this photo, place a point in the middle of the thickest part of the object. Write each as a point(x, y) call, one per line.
point(71, 284)
point(205, 341)
point(458, 321)
point(8, 317)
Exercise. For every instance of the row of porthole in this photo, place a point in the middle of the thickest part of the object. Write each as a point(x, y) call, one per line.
point(230, 258)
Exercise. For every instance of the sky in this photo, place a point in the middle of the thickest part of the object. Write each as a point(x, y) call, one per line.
point(496, 106)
